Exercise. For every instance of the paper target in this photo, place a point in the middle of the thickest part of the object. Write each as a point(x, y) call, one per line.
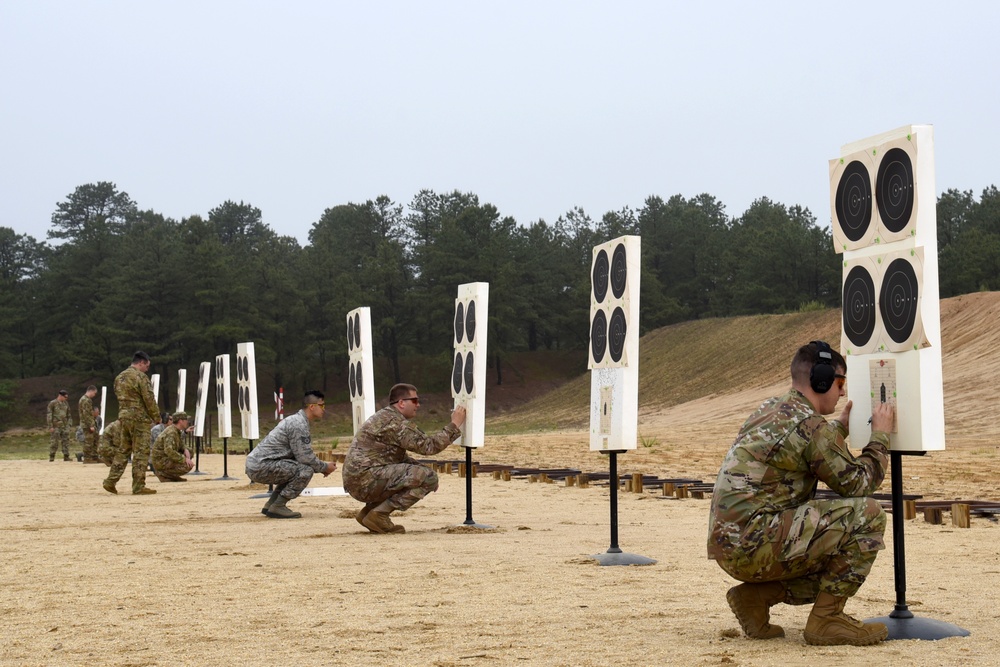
point(222, 396)
point(155, 381)
point(896, 189)
point(900, 288)
point(852, 201)
point(246, 390)
point(614, 344)
point(882, 380)
point(205, 386)
point(182, 376)
point(860, 307)
point(468, 374)
point(360, 377)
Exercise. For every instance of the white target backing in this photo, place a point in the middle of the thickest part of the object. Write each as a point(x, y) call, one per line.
point(468, 373)
point(182, 378)
point(246, 391)
point(613, 355)
point(104, 401)
point(222, 398)
point(205, 387)
point(360, 372)
point(155, 380)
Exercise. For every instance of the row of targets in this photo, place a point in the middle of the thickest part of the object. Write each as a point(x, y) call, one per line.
point(246, 390)
point(873, 194)
point(882, 303)
point(360, 377)
point(468, 377)
point(613, 355)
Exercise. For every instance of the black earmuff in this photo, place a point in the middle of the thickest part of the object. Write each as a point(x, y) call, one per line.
point(822, 375)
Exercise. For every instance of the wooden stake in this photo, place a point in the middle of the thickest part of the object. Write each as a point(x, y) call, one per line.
point(668, 489)
point(682, 492)
point(637, 482)
point(506, 475)
point(934, 515)
point(909, 509)
point(447, 468)
point(582, 481)
point(960, 515)
point(570, 480)
point(699, 495)
point(461, 470)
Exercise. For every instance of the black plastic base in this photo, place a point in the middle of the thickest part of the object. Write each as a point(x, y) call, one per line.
point(197, 472)
point(918, 628)
point(224, 478)
point(481, 526)
point(622, 558)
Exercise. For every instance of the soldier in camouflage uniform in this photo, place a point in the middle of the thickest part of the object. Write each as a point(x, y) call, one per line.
point(767, 528)
point(137, 411)
point(106, 450)
point(89, 425)
point(58, 419)
point(286, 458)
point(377, 470)
point(170, 458)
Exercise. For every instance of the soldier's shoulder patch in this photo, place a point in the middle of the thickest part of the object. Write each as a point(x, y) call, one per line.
point(306, 440)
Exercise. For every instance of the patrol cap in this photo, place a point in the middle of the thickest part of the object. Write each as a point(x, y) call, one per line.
point(177, 416)
point(63, 392)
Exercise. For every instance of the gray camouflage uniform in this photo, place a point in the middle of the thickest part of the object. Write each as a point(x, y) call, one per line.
point(766, 524)
point(377, 467)
point(285, 457)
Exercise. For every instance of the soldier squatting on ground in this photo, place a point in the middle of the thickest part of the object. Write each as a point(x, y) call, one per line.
point(767, 529)
point(377, 470)
point(286, 458)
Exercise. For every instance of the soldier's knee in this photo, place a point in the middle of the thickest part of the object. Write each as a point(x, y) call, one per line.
point(428, 479)
point(874, 515)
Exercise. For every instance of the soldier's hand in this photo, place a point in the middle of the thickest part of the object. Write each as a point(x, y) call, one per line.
point(883, 415)
point(330, 467)
point(458, 416)
point(845, 416)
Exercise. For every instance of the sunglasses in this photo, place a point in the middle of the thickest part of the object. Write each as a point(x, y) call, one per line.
point(841, 380)
point(415, 399)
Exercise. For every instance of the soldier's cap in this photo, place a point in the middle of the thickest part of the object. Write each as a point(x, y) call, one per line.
point(63, 392)
point(177, 416)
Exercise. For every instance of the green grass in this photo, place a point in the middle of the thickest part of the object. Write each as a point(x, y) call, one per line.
point(28, 445)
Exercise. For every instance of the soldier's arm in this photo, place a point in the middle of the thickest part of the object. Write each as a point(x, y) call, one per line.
point(301, 443)
point(148, 400)
point(412, 439)
point(832, 461)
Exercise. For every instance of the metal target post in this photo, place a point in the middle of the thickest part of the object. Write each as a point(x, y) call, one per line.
point(225, 461)
point(614, 555)
point(469, 521)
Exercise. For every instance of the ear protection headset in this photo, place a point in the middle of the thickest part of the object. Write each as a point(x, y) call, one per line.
point(823, 373)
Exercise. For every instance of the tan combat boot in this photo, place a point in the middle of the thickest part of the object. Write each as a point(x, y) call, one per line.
point(751, 603)
point(363, 512)
point(109, 487)
point(828, 625)
point(278, 510)
point(377, 520)
point(143, 491)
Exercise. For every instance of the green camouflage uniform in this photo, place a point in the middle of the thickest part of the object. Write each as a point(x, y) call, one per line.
point(87, 422)
point(168, 454)
point(766, 524)
point(58, 419)
point(136, 412)
point(106, 450)
point(377, 467)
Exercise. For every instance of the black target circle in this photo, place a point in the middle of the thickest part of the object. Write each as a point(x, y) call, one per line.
point(239, 399)
point(619, 271)
point(894, 191)
point(218, 368)
point(617, 330)
point(459, 322)
point(246, 369)
point(456, 374)
point(470, 369)
point(859, 306)
point(599, 336)
point(470, 321)
point(357, 330)
point(239, 369)
point(360, 380)
point(898, 300)
point(352, 380)
point(854, 201)
point(246, 397)
point(218, 395)
point(599, 277)
point(350, 333)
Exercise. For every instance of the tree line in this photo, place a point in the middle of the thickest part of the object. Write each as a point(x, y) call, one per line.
point(111, 278)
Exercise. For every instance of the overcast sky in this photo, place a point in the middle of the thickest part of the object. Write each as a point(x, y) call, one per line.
point(536, 107)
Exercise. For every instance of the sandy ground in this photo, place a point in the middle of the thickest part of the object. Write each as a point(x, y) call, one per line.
point(195, 575)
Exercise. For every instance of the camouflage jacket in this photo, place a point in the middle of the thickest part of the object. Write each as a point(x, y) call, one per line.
point(782, 451)
point(57, 415)
point(386, 437)
point(86, 412)
point(135, 396)
point(290, 439)
point(169, 446)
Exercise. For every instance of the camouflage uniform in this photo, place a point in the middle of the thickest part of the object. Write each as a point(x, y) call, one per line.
point(136, 412)
point(168, 454)
point(766, 524)
point(87, 422)
point(285, 457)
point(106, 450)
point(57, 417)
point(377, 467)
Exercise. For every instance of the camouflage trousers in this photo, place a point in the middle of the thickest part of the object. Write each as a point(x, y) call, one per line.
point(132, 440)
point(823, 545)
point(293, 477)
point(170, 469)
point(90, 444)
point(402, 485)
point(106, 451)
point(60, 435)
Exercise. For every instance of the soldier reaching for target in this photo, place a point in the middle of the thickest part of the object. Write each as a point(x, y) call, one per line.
point(768, 530)
point(377, 470)
point(286, 458)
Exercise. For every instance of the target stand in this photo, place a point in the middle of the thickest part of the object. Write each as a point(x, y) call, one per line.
point(614, 555)
point(469, 521)
point(225, 462)
point(901, 622)
point(197, 457)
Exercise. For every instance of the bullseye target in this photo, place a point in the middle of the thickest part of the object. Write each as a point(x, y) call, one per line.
point(599, 276)
point(360, 377)
point(468, 376)
point(896, 189)
point(899, 300)
point(246, 390)
point(617, 331)
point(599, 336)
point(619, 271)
point(613, 290)
point(851, 201)
point(222, 396)
point(860, 308)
